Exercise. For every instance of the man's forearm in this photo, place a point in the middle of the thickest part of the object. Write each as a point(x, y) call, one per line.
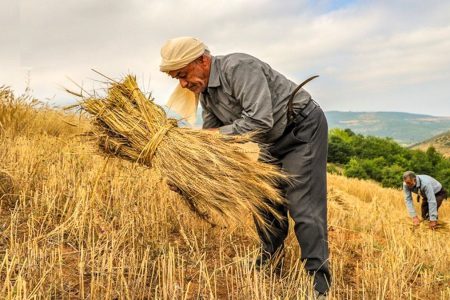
point(410, 208)
point(432, 209)
point(244, 125)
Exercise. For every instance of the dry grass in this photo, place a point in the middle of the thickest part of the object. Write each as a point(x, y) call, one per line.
point(77, 226)
point(440, 142)
point(25, 115)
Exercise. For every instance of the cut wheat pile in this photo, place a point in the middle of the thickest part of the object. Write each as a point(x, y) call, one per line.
point(215, 178)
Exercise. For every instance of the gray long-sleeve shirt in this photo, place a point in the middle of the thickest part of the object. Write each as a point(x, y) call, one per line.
point(430, 187)
point(245, 94)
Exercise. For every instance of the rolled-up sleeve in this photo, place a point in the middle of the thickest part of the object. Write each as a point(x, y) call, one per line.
point(409, 201)
point(432, 204)
point(250, 87)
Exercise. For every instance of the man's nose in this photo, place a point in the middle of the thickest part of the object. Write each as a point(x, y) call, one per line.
point(183, 83)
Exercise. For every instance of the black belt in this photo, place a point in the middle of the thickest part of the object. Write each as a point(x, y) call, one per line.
point(304, 112)
point(300, 116)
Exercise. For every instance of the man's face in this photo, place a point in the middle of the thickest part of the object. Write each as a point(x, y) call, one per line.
point(194, 76)
point(410, 182)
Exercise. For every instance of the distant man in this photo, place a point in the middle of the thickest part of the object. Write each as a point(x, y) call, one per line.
point(430, 190)
point(239, 94)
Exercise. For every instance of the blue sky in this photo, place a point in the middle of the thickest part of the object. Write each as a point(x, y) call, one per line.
point(336, 4)
point(370, 55)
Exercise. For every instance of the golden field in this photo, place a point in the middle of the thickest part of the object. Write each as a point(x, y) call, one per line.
point(77, 225)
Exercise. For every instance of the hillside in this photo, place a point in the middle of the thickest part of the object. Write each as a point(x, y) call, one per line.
point(441, 142)
point(404, 128)
point(74, 224)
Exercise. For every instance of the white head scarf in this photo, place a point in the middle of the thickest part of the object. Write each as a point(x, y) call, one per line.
point(179, 52)
point(176, 54)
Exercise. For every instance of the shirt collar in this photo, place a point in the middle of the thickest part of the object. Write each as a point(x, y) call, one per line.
point(214, 74)
point(417, 182)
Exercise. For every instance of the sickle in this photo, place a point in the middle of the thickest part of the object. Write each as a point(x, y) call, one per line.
point(290, 109)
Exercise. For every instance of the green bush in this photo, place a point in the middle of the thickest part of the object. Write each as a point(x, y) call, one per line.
point(354, 168)
point(383, 159)
point(392, 176)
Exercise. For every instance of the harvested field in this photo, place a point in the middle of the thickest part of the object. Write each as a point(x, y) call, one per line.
point(79, 225)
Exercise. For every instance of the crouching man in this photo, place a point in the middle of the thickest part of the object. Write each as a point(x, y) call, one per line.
point(430, 190)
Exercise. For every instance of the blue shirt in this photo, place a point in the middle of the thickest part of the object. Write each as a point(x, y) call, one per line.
point(429, 187)
point(245, 94)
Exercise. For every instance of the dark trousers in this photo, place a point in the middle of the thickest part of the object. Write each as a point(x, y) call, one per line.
point(440, 196)
point(302, 153)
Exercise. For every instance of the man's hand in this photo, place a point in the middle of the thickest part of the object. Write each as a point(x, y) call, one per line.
point(433, 224)
point(416, 221)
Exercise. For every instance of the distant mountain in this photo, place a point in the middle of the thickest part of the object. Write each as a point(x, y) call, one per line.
point(441, 142)
point(405, 128)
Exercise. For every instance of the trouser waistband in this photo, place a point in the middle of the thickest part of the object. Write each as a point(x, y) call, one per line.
point(301, 115)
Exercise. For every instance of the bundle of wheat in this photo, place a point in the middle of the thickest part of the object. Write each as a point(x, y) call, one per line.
point(214, 176)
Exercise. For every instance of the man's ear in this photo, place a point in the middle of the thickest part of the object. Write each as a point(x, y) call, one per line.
point(204, 59)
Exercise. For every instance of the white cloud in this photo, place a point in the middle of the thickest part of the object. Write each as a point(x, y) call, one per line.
point(384, 55)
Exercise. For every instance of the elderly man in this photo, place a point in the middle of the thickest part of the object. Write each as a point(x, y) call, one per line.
point(432, 192)
point(241, 94)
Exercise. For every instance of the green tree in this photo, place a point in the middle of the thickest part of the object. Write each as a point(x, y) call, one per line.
point(339, 151)
point(392, 176)
point(433, 156)
point(374, 167)
point(420, 164)
point(355, 169)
